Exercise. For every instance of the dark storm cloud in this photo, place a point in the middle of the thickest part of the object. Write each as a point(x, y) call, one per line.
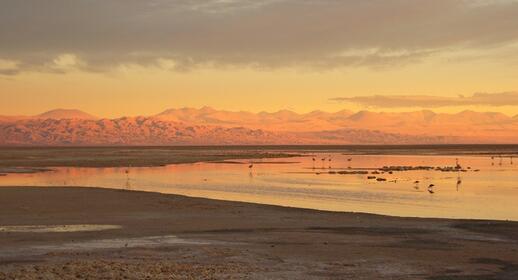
point(274, 33)
point(426, 101)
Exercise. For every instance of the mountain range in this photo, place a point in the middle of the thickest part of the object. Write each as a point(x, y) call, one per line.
point(208, 126)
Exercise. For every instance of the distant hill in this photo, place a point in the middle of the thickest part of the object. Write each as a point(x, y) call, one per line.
point(152, 131)
point(283, 120)
point(207, 126)
point(59, 114)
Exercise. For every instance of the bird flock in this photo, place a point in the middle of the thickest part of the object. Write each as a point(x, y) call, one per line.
point(327, 161)
point(431, 188)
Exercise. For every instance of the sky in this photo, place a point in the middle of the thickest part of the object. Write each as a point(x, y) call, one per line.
point(131, 57)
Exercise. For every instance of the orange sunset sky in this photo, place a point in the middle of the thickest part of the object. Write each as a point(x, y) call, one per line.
point(112, 58)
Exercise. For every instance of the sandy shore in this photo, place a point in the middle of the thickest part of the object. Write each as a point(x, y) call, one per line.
point(86, 233)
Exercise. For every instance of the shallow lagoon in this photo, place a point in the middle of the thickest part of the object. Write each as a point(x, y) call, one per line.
point(487, 190)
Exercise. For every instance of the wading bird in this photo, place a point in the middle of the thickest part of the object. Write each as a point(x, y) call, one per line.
point(459, 182)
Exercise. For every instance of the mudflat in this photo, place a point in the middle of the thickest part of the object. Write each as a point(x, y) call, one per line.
point(47, 157)
point(89, 233)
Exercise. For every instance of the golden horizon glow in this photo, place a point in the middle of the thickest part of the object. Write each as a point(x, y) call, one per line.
point(137, 90)
point(238, 63)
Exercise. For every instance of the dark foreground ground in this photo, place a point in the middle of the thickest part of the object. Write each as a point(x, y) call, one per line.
point(156, 236)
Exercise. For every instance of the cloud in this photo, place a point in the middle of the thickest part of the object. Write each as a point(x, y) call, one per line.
point(270, 33)
point(426, 101)
point(65, 63)
point(9, 67)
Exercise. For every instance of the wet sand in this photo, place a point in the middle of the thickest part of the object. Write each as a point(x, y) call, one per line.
point(116, 234)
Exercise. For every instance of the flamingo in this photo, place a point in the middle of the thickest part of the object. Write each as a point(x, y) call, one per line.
point(416, 185)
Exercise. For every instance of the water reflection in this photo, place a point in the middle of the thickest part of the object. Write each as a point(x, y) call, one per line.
point(429, 186)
